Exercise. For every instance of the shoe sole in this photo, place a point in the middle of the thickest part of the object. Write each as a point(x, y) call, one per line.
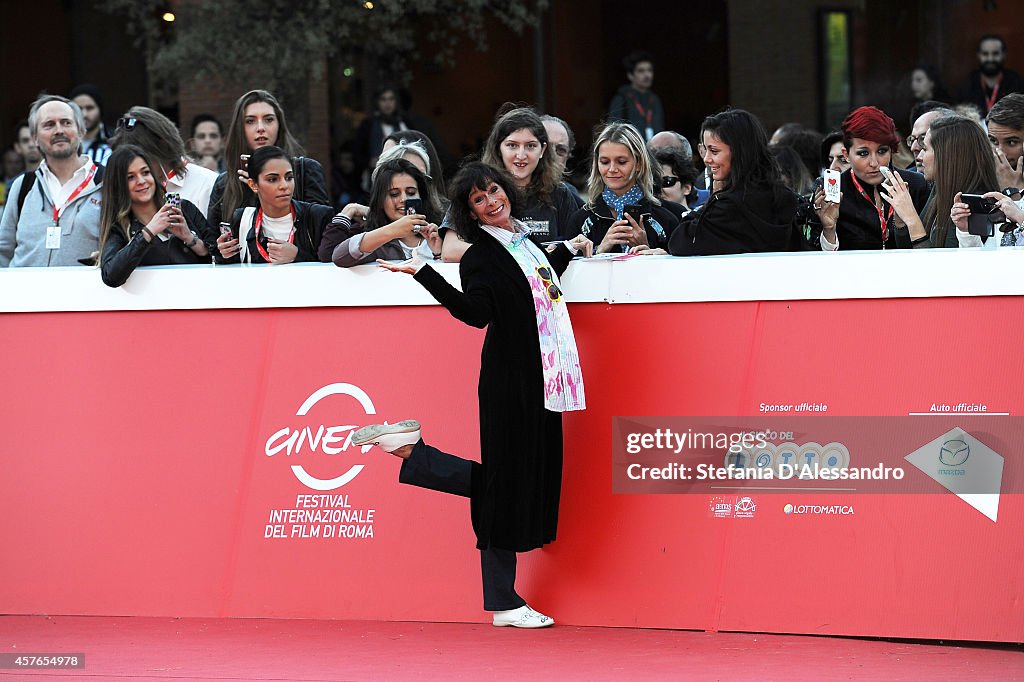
point(371, 433)
point(524, 627)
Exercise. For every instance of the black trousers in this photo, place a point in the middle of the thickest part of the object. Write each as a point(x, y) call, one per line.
point(428, 467)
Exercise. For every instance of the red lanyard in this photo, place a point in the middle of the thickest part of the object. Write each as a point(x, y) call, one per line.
point(170, 176)
point(882, 217)
point(58, 211)
point(648, 114)
point(991, 100)
point(259, 223)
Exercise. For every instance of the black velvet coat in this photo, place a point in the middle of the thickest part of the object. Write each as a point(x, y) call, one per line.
point(755, 220)
point(515, 491)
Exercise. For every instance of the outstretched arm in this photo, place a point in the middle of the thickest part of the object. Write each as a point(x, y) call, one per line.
point(474, 305)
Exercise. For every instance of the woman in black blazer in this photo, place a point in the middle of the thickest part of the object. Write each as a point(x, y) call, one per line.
point(529, 375)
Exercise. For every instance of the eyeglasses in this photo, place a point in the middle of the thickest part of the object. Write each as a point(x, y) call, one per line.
point(911, 139)
point(669, 181)
point(562, 150)
point(126, 122)
point(554, 293)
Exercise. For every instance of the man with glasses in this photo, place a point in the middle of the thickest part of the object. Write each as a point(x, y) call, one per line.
point(57, 222)
point(160, 139)
point(921, 119)
point(563, 142)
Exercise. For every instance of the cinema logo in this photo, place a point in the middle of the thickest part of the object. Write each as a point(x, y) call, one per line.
point(321, 440)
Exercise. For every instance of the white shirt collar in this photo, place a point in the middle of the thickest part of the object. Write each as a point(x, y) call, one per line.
point(503, 236)
point(59, 192)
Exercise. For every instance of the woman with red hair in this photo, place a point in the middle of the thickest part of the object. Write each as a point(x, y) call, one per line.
point(863, 219)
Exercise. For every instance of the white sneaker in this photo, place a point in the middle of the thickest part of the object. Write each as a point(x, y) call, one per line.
point(388, 437)
point(523, 617)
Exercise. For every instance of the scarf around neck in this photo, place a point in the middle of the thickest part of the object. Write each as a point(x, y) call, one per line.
point(560, 360)
point(618, 204)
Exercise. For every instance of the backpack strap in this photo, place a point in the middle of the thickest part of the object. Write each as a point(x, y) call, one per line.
point(241, 224)
point(26, 187)
point(299, 166)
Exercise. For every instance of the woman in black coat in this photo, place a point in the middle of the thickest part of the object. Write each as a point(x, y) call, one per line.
point(529, 375)
point(750, 210)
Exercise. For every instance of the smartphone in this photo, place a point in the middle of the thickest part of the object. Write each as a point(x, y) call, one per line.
point(225, 228)
point(888, 174)
point(413, 206)
point(830, 182)
point(173, 199)
point(244, 161)
point(635, 211)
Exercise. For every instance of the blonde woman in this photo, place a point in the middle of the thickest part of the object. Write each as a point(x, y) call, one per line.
point(622, 212)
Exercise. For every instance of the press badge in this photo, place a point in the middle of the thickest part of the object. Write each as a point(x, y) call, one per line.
point(53, 237)
point(540, 228)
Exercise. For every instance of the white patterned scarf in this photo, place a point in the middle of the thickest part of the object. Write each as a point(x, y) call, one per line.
point(560, 360)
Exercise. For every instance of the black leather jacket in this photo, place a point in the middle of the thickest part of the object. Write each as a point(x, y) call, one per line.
point(310, 222)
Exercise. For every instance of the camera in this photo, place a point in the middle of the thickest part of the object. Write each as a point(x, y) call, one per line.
point(984, 214)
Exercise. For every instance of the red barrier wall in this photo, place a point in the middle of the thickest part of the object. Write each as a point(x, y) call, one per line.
point(136, 478)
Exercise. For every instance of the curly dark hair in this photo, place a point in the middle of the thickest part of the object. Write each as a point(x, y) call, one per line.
point(471, 177)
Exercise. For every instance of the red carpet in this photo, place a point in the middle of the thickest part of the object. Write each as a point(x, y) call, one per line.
point(242, 649)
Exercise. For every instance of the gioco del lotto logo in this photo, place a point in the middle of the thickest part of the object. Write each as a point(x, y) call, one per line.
point(322, 447)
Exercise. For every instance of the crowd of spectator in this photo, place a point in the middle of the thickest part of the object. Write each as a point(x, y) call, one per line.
point(78, 192)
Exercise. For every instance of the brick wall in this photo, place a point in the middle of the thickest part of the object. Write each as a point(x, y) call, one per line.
point(773, 59)
point(218, 98)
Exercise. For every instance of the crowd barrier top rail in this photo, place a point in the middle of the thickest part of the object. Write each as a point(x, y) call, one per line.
point(640, 279)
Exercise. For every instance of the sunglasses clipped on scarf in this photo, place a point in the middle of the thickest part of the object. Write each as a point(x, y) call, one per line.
point(554, 293)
